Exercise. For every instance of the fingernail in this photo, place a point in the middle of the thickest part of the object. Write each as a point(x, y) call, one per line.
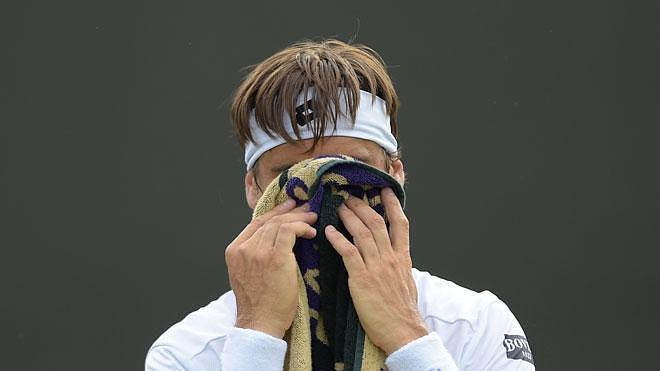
point(330, 228)
point(305, 206)
point(290, 202)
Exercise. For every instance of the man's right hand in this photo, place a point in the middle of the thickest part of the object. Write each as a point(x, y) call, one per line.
point(263, 269)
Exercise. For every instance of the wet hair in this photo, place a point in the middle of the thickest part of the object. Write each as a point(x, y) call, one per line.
point(272, 87)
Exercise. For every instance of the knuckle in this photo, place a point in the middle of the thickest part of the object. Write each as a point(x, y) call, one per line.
point(229, 254)
point(403, 221)
point(230, 249)
point(256, 260)
point(239, 251)
point(234, 255)
point(349, 251)
point(260, 220)
point(229, 257)
point(376, 220)
point(262, 258)
point(393, 201)
point(390, 261)
point(363, 234)
point(287, 228)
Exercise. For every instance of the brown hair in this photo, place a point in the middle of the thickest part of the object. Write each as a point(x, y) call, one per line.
point(272, 87)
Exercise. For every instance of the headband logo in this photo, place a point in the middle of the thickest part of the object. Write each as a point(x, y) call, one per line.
point(303, 117)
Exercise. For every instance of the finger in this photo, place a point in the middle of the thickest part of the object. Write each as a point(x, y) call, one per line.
point(271, 228)
point(288, 232)
point(259, 221)
point(373, 221)
point(348, 252)
point(362, 236)
point(268, 235)
point(399, 234)
point(282, 208)
point(399, 227)
point(308, 217)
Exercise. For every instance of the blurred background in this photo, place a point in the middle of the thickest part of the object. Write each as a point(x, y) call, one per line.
point(530, 138)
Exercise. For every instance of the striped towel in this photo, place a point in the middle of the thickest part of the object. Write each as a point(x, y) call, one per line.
point(326, 333)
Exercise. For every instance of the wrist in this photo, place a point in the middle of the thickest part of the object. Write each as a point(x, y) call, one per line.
point(404, 336)
point(271, 329)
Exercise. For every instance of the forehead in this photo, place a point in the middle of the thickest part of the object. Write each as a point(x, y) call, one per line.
point(288, 153)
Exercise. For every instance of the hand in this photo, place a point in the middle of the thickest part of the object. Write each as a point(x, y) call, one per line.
point(263, 269)
point(380, 271)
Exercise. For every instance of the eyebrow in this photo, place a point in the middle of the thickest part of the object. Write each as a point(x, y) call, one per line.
point(281, 168)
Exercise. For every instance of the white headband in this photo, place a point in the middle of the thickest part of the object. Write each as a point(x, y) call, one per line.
point(371, 122)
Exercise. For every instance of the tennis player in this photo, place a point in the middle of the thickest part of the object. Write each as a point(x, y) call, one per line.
point(422, 322)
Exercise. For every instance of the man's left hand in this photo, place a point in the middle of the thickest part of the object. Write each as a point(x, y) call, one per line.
point(380, 271)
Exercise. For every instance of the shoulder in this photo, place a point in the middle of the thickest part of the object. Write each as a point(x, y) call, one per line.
point(197, 339)
point(468, 322)
point(445, 301)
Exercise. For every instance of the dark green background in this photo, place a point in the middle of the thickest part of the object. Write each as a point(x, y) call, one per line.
point(530, 136)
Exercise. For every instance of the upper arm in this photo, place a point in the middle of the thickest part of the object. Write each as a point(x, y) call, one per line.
point(498, 342)
point(163, 358)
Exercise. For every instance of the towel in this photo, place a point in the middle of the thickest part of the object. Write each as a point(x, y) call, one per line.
point(326, 333)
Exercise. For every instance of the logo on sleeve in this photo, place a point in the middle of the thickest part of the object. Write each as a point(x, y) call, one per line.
point(517, 347)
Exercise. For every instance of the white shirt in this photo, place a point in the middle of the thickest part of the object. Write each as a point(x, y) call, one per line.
point(469, 331)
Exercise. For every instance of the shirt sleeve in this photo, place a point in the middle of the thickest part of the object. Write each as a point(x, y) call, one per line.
point(427, 353)
point(163, 358)
point(498, 343)
point(243, 349)
point(247, 349)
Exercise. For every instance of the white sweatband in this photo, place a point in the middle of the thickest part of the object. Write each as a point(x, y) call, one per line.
point(371, 123)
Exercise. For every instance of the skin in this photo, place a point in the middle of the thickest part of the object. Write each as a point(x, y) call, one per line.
point(263, 270)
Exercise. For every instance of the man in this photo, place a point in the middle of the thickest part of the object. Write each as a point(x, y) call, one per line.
point(348, 105)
